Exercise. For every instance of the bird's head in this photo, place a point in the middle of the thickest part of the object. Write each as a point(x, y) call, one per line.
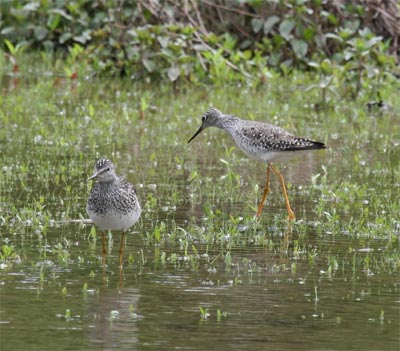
point(211, 118)
point(104, 171)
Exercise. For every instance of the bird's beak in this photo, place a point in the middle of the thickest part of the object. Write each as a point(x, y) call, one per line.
point(95, 175)
point(92, 177)
point(196, 134)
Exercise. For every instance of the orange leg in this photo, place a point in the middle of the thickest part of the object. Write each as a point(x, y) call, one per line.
point(291, 215)
point(104, 252)
point(264, 197)
point(121, 251)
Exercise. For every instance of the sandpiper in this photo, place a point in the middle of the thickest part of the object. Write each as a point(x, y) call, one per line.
point(112, 204)
point(262, 142)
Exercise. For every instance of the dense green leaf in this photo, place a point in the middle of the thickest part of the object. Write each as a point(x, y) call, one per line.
point(269, 23)
point(40, 32)
point(299, 47)
point(10, 46)
point(373, 41)
point(285, 28)
point(313, 64)
point(84, 37)
point(62, 13)
point(53, 21)
point(163, 41)
point(149, 64)
point(7, 30)
point(309, 34)
point(65, 37)
point(326, 67)
point(334, 36)
point(199, 47)
point(31, 6)
point(116, 36)
point(256, 25)
point(333, 19)
point(173, 73)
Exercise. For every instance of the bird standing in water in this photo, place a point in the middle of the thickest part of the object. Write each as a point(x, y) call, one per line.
point(262, 142)
point(112, 204)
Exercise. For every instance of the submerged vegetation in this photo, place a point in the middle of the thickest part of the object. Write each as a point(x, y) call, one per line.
point(199, 200)
point(202, 196)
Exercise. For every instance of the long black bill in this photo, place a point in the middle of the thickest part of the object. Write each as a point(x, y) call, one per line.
point(196, 134)
point(96, 174)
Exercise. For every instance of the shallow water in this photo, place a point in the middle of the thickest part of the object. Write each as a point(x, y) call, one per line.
point(328, 281)
point(156, 306)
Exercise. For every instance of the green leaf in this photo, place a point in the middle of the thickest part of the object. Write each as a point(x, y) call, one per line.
point(269, 23)
point(326, 66)
point(334, 36)
point(61, 13)
point(229, 42)
point(333, 19)
point(163, 41)
point(40, 33)
point(313, 64)
point(345, 33)
point(348, 55)
point(149, 64)
point(144, 105)
point(286, 27)
point(247, 54)
point(353, 25)
point(10, 46)
point(65, 37)
point(157, 234)
point(91, 110)
point(256, 25)
point(53, 21)
point(173, 73)
point(84, 37)
point(309, 34)
point(300, 48)
point(7, 30)
point(245, 44)
point(31, 6)
point(370, 43)
point(200, 47)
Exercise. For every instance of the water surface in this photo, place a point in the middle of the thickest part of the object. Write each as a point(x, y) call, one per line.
point(200, 272)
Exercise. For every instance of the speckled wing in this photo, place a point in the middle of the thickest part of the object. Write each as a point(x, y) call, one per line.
point(266, 137)
point(97, 202)
point(125, 199)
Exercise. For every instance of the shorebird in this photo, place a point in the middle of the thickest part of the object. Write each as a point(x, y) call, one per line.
point(262, 142)
point(112, 204)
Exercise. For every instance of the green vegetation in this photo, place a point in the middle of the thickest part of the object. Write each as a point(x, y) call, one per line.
point(198, 202)
point(204, 314)
point(207, 41)
point(198, 248)
point(59, 129)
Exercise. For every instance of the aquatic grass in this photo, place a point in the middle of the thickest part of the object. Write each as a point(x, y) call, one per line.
point(203, 314)
point(198, 223)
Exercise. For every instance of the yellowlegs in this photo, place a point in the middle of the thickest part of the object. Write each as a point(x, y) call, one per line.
point(112, 204)
point(262, 142)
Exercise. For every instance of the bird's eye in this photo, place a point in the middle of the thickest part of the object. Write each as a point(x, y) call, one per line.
point(203, 118)
point(108, 169)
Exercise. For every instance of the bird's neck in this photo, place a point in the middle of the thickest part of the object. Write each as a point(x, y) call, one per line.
point(108, 184)
point(228, 123)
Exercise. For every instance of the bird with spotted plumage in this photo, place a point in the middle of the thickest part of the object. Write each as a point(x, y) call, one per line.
point(112, 204)
point(263, 142)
